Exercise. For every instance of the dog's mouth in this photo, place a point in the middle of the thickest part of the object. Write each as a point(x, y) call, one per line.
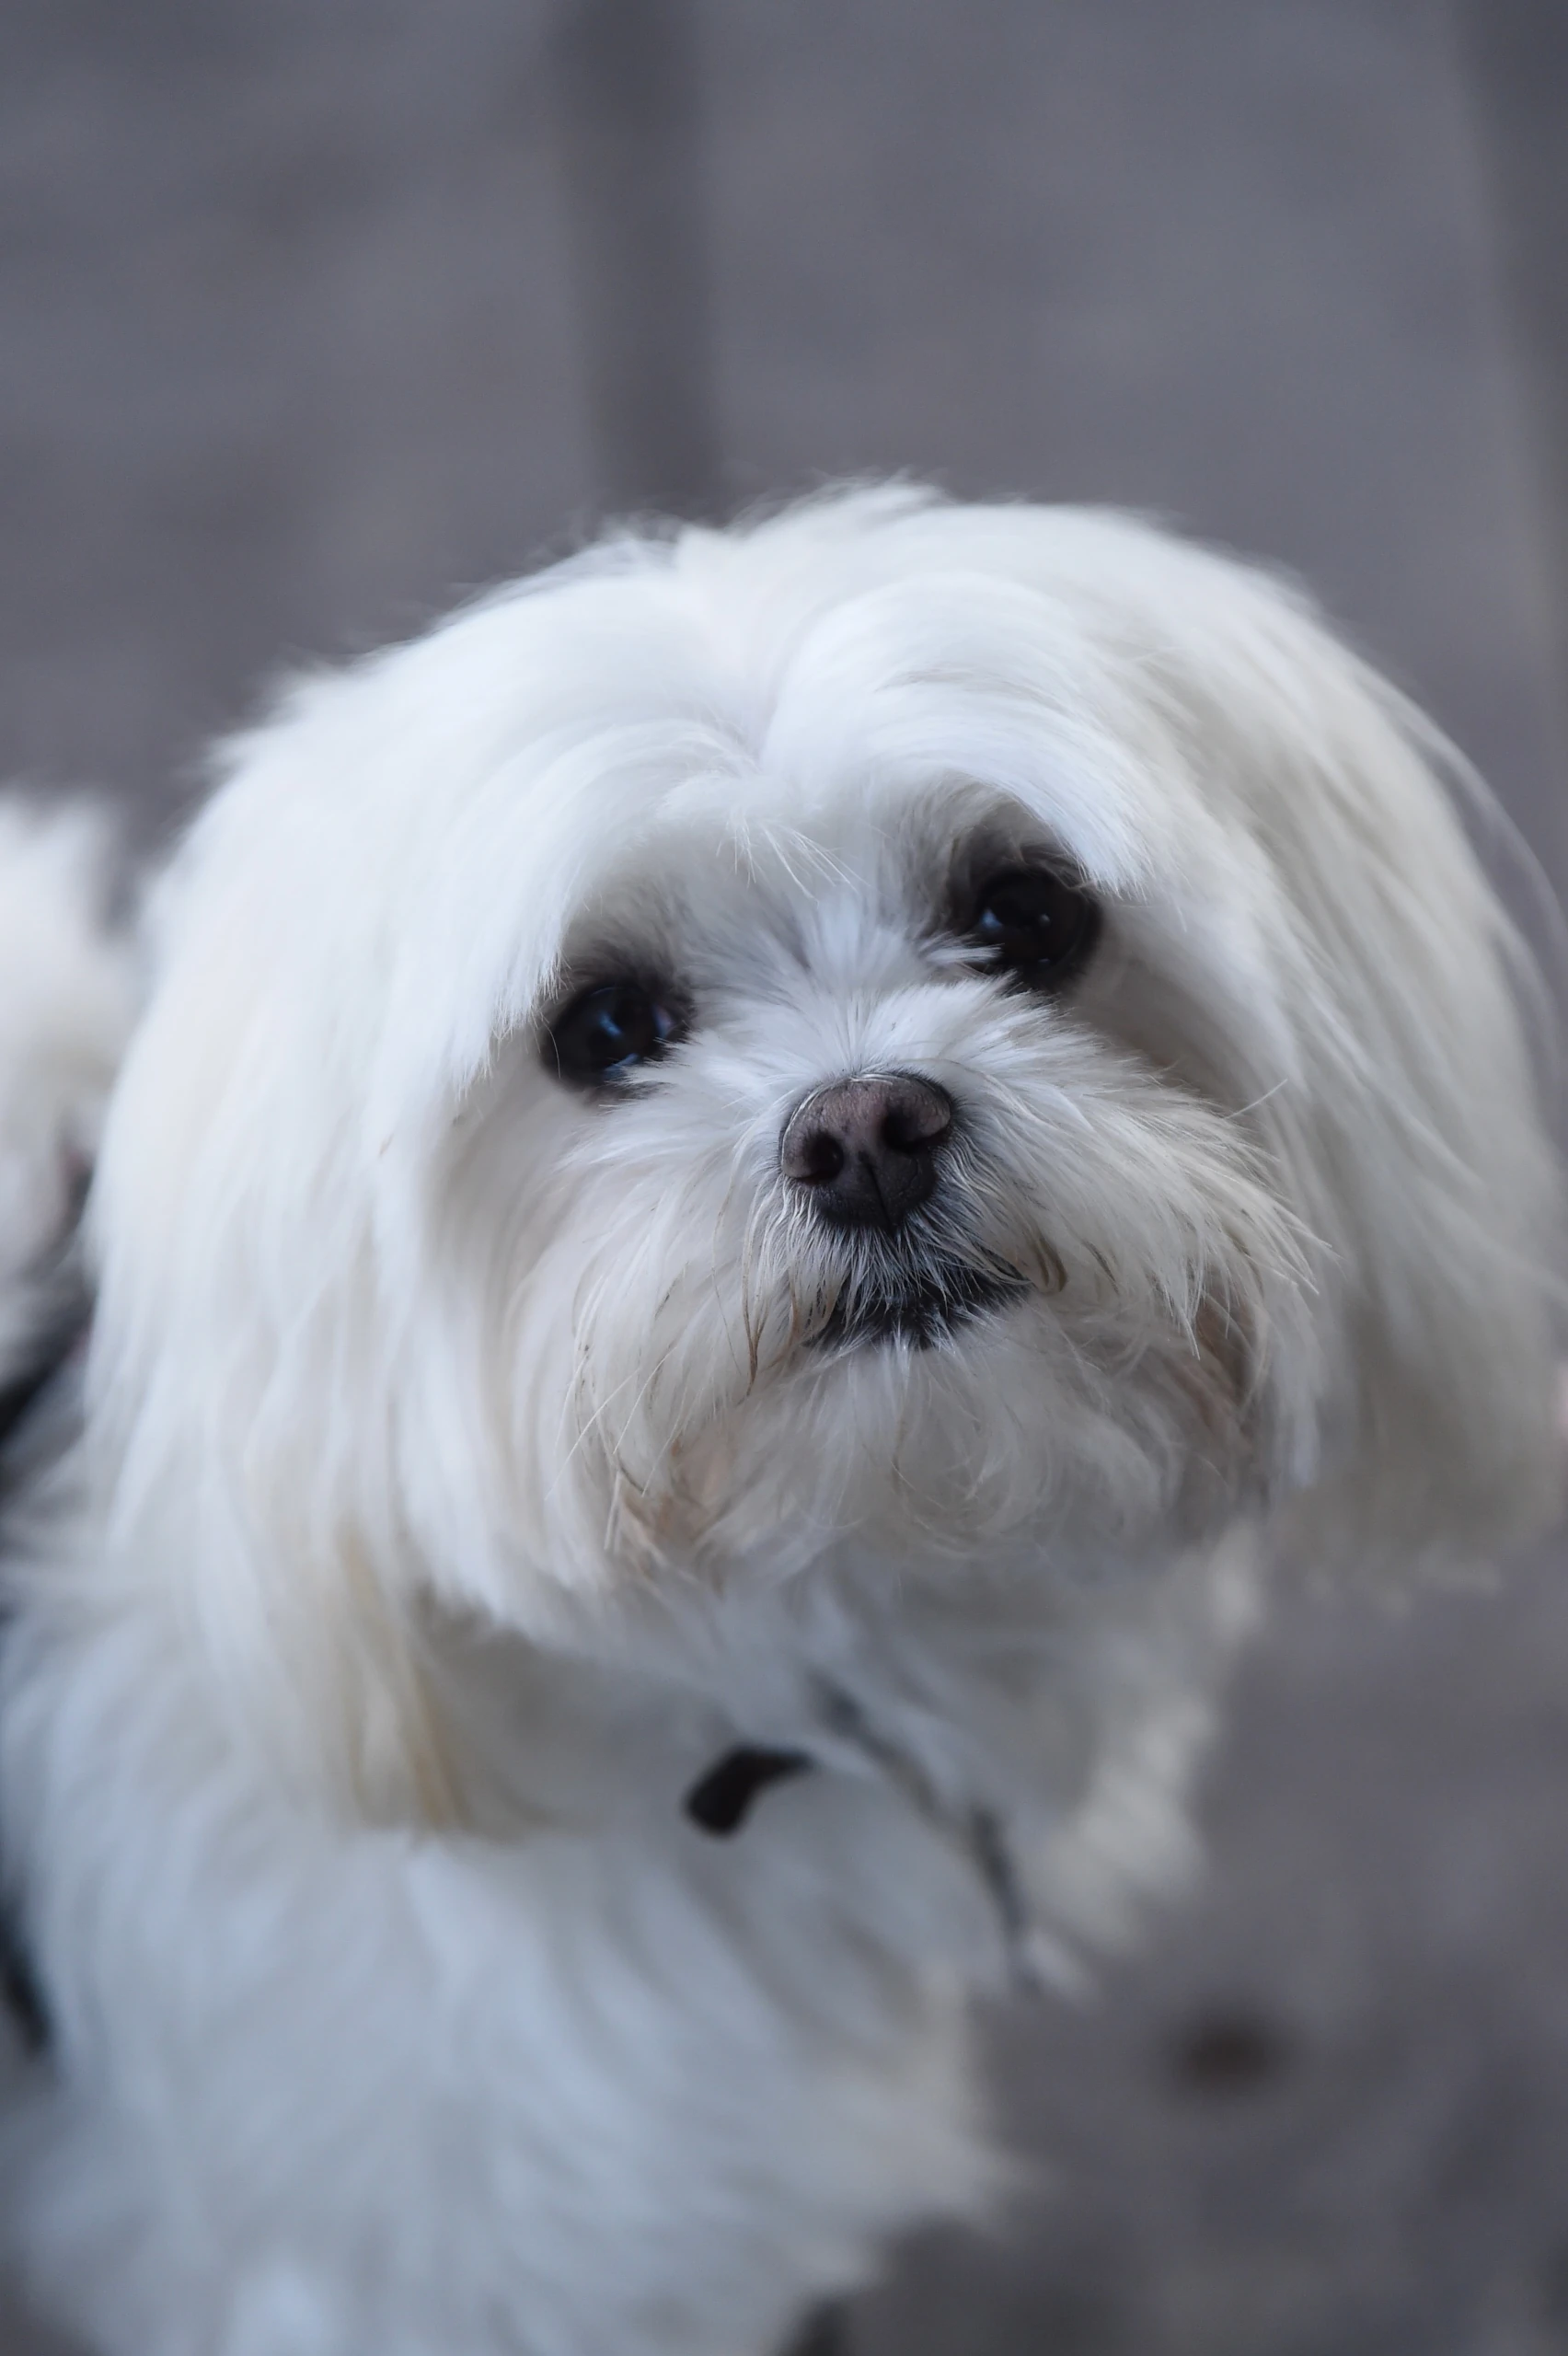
point(924, 1308)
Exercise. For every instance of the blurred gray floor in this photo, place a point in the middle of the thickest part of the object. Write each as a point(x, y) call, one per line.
point(309, 317)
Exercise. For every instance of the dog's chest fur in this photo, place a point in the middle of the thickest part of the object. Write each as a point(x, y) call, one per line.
point(750, 2053)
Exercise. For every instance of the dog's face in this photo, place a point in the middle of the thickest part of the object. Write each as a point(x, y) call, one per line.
point(833, 1191)
point(949, 1034)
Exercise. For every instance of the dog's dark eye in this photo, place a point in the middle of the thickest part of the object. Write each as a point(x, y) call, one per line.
point(608, 1031)
point(1034, 923)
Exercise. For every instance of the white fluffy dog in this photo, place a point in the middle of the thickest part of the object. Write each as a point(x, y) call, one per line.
point(750, 1179)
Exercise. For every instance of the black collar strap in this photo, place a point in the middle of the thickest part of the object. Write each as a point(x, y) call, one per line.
point(723, 1797)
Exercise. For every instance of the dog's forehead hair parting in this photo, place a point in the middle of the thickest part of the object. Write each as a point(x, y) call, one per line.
point(677, 701)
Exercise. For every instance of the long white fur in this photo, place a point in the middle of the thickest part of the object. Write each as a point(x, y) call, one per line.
point(459, 1476)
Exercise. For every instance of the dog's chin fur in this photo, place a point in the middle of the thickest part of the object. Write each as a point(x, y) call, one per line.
point(468, 1459)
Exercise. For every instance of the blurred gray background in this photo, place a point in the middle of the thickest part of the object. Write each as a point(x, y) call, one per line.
point(313, 316)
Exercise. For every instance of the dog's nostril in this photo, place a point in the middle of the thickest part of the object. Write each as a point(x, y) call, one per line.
point(818, 1158)
point(866, 1148)
point(918, 1117)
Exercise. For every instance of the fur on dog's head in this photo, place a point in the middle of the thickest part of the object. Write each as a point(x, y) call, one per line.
point(944, 1031)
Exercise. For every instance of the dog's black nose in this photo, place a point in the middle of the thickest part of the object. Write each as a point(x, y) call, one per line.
point(866, 1150)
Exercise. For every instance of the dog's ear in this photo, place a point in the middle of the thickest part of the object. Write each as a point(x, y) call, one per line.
point(240, 1377)
point(1416, 1136)
point(270, 1534)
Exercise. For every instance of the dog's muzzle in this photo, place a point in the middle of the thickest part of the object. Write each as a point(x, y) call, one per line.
point(864, 1155)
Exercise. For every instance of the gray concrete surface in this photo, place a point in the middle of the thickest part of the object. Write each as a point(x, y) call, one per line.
point(309, 317)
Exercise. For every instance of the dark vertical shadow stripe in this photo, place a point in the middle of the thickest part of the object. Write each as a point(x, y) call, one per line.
point(628, 124)
point(1517, 51)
